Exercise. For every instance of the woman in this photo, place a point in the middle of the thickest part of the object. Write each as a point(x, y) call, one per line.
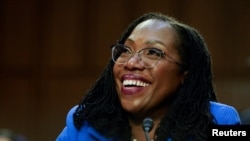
point(160, 68)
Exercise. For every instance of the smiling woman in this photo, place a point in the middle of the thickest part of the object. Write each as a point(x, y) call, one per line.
point(159, 68)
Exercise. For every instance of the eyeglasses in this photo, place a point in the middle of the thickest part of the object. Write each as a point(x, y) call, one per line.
point(148, 57)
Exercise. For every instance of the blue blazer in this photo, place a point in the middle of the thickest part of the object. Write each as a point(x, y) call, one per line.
point(224, 115)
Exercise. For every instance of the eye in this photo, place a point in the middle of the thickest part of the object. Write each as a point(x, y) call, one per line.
point(152, 53)
point(123, 51)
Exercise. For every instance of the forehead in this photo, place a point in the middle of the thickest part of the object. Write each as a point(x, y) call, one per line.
point(158, 24)
point(154, 29)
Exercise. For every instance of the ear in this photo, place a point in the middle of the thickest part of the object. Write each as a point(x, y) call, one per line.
point(184, 76)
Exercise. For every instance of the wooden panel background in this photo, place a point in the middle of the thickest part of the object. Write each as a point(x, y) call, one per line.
point(51, 51)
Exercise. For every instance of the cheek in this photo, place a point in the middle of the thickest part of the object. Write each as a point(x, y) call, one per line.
point(167, 79)
point(165, 73)
point(115, 70)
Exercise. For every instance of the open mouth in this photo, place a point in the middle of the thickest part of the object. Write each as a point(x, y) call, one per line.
point(134, 83)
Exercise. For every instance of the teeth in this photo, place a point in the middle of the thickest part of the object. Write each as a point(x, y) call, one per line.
point(135, 83)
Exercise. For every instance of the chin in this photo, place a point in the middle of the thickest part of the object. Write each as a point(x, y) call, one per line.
point(130, 108)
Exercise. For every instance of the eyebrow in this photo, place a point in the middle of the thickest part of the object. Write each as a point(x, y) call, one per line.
point(150, 42)
point(155, 42)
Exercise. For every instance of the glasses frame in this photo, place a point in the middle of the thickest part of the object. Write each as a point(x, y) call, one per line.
point(169, 58)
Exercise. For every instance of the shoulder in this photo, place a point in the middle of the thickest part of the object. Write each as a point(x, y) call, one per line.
point(87, 132)
point(224, 114)
point(69, 119)
point(69, 132)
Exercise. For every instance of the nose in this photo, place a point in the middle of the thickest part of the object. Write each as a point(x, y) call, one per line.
point(134, 62)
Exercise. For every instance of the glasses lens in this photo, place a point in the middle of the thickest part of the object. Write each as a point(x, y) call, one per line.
point(150, 56)
point(120, 54)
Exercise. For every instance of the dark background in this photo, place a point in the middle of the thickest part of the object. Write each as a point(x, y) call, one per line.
point(51, 51)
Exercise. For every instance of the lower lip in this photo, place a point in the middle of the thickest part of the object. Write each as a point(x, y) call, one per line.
point(131, 90)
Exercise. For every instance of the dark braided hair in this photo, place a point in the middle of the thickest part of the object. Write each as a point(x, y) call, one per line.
point(189, 114)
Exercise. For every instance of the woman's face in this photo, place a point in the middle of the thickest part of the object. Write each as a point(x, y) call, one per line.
point(158, 82)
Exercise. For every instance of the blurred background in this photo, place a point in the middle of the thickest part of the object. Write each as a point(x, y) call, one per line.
point(51, 51)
